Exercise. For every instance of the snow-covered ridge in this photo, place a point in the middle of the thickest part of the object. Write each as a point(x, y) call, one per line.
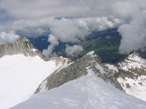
point(136, 58)
point(87, 92)
point(79, 68)
point(133, 61)
point(21, 75)
point(70, 72)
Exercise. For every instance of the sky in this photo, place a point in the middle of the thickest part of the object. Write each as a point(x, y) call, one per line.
point(72, 20)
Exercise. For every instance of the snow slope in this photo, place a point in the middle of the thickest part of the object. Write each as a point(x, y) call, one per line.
point(135, 87)
point(133, 78)
point(87, 92)
point(20, 76)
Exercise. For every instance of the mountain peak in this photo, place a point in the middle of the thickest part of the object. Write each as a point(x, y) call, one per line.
point(134, 54)
point(21, 46)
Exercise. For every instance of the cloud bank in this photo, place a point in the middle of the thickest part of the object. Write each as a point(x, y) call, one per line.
point(70, 30)
point(36, 9)
point(73, 20)
point(133, 34)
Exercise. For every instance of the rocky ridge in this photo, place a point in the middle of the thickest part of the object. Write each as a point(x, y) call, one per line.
point(21, 46)
point(128, 75)
point(77, 69)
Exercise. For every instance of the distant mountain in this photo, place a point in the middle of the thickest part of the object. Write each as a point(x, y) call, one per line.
point(21, 46)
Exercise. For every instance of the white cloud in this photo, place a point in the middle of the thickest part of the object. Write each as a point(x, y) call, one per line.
point(53, 42)
point(133, 34)
point(36, 9)
point(36, 17)
point(8, 37)
point(65, 29)
point(73, 50)
point(30, 9)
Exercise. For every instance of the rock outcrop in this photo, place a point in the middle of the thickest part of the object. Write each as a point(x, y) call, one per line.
point(77, 69)
point(21, 46)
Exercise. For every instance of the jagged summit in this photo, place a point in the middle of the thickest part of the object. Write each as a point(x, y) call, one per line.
point(75, 70)
point(134, 53)
point(21, 46)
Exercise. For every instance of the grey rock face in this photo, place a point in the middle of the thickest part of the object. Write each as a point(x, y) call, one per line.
point(21, 46)
point(76, 70)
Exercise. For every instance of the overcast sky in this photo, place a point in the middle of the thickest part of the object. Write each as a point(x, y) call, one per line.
point(79, 17)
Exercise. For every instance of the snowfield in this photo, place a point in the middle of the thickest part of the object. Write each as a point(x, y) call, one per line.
point(20, 76)
point(87, 92)
point(135, 87)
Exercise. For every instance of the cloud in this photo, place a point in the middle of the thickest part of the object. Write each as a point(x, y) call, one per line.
point(70, 30)
point(8, 37)
point(53, 42)
point(133, 34)
point(37, 9)
point(73, 20)
point(32, 9)
point(65, 29)
point(73, 50)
